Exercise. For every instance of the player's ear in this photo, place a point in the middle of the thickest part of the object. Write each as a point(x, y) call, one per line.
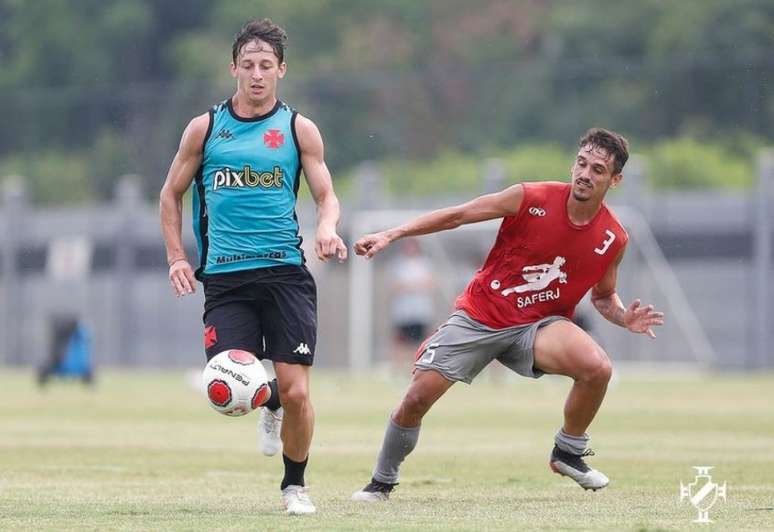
point(617, 178)
point(283, 67)
point(233, 69)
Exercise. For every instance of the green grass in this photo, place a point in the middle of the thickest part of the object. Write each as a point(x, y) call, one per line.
point(142, 451)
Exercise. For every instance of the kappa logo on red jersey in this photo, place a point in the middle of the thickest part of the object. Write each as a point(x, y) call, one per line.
point(210, 336)
point(273, 139)
point(537, 211)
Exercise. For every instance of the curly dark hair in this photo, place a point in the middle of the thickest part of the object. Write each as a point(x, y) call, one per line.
point(611, 142)
point(261, 29)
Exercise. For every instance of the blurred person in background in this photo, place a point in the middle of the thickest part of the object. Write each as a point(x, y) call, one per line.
point(411, 301)
point(244, 157)
point(556, 242)
point(70, 352)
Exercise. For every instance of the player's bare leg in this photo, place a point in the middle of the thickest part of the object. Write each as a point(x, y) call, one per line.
point(296, 433)
point(563, 348)
point(298, 423)
point(427, 386)
point(402, 433)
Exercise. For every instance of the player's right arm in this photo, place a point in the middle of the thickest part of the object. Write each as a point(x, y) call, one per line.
point(635, 318)
point(487, 207)
point(181, 173)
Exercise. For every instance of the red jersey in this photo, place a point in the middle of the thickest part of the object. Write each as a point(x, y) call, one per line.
point(542, 264)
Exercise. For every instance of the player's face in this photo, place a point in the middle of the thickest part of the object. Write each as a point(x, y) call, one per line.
point(592, 173)
point(257, 71)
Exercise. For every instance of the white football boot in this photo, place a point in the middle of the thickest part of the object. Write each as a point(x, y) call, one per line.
point(374, 491)
point(297, 501)
point(269, 427)
point(573, 466)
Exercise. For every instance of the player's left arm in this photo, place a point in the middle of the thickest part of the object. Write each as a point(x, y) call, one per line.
point(327, 242)
point(636, 318)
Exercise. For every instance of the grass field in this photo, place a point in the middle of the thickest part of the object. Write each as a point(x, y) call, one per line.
point(143, 451)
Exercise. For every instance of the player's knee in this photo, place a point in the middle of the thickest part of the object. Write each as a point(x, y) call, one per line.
point(293, 396)
point(413, 407)
point(600, 370)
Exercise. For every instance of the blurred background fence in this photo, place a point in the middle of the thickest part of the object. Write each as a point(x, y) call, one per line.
point(104, 264)
point(421, 103)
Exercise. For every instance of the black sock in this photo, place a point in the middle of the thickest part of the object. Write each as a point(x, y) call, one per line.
point(273, 403)
point(294, 472)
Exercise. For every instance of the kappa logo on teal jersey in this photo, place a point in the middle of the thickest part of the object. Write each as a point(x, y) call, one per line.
point(247, 178)
point(225, 134)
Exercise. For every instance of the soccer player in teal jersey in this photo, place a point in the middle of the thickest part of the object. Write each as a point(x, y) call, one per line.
point(244, 158)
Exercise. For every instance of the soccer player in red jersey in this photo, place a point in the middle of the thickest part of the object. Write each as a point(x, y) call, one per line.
point(557, 241)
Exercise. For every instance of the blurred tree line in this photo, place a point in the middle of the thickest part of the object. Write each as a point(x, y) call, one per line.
point(98, 88)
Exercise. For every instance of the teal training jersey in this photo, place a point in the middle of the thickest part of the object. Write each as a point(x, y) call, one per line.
point(244, 195)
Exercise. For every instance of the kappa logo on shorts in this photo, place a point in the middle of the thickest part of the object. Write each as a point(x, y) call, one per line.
point(210, 336)
point(302, 349)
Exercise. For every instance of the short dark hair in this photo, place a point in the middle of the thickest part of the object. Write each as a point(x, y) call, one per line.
point(610, 141)
point(261, 29)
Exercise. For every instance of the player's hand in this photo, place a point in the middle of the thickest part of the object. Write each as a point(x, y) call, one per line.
point(640, 319)
point(370, 245)
point(328, 244)
point(181, 277)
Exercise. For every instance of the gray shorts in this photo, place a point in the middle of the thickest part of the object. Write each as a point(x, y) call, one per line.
point(462, 347)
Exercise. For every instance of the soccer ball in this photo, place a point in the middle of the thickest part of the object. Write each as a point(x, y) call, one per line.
point(235, 382)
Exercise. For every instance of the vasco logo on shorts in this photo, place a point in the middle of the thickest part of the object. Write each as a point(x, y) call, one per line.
point(247, 178)
point(537, 211)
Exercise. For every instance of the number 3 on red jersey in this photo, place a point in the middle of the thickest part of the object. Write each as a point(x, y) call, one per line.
point(606, 244)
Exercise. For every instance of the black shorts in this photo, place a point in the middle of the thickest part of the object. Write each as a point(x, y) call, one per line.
point(271, 312)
